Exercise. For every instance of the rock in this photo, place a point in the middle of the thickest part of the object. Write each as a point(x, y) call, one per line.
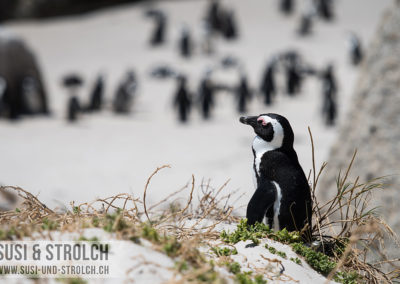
point(372, 125)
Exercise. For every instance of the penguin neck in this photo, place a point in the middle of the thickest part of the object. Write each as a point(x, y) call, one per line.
point(260, 147)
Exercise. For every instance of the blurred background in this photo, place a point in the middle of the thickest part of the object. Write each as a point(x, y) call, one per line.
point(95, 95)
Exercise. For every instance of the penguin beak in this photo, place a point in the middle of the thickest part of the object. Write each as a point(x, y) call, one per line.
point(249, 120)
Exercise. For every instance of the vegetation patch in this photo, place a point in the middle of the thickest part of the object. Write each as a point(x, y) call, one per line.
point(248, 278)
point(225, 251)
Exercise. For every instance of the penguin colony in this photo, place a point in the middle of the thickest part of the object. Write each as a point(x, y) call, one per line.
point(282, 198)
point(28, 95)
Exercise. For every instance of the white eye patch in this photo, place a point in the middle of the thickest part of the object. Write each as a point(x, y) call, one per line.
point(260, 146)
point(277, 140)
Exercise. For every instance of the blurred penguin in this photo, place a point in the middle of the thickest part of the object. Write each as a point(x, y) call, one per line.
point(185, 44)
point(293, 73)
point(229, 27)
point(158, 36)
point(126, 90)
point(243, 93)
point(286, 6)
point(207, 41)
point(3, 87)
point(72, 82)
point(25, 93)
point(97, 95)
point(267, 87)
point(163, 72)
point(307, 17)
point(306, 22)
point(325, 9)
point(329, 89)
point(31, 97)
point(74, 109)
point(356, 51)
point(206, 95)
point(229, 62)
point(182, 100)
point(214, 16)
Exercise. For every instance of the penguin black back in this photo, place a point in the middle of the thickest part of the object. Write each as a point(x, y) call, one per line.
point(97, 94)
point(282, 193)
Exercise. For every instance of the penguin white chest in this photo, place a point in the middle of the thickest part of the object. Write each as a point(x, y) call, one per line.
point(260, 147)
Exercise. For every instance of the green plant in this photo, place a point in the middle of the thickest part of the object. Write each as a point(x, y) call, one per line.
point(245, 278)
point(95, 221)
point(48, 224)
point(317, 260)
point(114, 222)
point(76, 281)
point(258, 231)
point(351, 277)
point(244, 232)
point(281, 254)
point(210, 276)
point(296, 260)
point(181, 266)
point(171, 247)
point(234, 267)
point(150, 233)
point(271, 249)
point(224, 251)
point(275, 251)
point(93, 239)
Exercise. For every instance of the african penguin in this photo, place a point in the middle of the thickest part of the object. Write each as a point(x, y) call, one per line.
point(282, 193)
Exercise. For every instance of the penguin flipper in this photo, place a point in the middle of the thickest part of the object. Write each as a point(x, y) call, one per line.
point(263, 199)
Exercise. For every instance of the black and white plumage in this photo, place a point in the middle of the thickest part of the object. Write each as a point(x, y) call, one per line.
point(325, 9)
point(158, 35)
point(125, 93)
point(97, 94)
point(182, 100)
point(206, 96)
point(25, 92)
point(267, 87)
point(243, 94)
point(329, 90)
point(282, 193)
point(286, 6)
point(73, 81)
point(185, 43)
point(294, 78)
point(356, 51)
point(3, 87)
point(74, 109)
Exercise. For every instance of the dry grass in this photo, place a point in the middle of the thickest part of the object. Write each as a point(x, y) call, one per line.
point(177, 229)
point(347, 221)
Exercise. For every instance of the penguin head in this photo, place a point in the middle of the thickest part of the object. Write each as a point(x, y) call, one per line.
point(272, 128)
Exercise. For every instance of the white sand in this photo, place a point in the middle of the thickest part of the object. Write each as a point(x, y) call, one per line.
point(105, 154)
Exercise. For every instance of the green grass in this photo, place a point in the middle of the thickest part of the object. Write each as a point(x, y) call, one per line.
point(224, 251)
point(347, 277)
point(296, 260)
point(246, 278)
point(48, 224)
point(317, 260)
point(258, 231)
